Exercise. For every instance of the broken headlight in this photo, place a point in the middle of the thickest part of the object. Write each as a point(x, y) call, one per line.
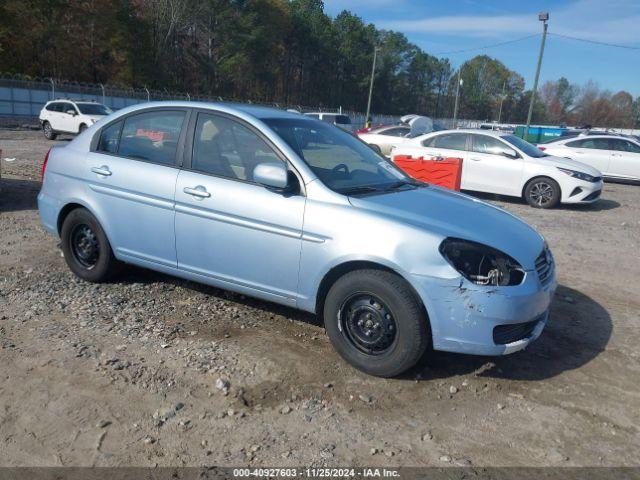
point(481, 264)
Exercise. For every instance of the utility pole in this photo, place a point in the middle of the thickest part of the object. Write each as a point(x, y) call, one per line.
point(543, 17)
point(455, 108)
point(373, 72)
point(504, 86)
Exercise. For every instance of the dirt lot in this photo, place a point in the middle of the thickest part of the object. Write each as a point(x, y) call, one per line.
point(125, 373)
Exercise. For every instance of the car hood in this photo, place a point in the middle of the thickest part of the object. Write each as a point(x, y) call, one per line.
point(569, 164)
point(453, 214)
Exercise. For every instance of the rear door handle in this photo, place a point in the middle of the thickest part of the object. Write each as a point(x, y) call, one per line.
point(103, 170)
point(476, 159)
point(198, 191)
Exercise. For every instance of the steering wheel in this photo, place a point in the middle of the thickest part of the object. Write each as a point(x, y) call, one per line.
point(340, 166)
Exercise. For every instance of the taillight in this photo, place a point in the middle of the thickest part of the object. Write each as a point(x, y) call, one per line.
point(44, 164)
point(542, 148)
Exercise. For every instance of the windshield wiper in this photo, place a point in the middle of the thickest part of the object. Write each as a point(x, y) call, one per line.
point(358, 190)
point(403, 183)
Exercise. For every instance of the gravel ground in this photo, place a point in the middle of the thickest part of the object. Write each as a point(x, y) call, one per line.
point(152, 370)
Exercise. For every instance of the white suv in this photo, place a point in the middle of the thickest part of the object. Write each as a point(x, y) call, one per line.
point(67, 116)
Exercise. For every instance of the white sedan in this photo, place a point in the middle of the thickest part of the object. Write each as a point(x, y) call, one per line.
point(615, 157)
point(384, 138)
point(498, 162)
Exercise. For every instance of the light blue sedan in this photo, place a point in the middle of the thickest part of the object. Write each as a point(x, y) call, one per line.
point(295, 211)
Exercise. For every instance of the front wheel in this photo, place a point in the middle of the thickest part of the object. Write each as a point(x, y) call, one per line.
point(82, 128)
point(48, 131)
point(542, 192)
point(86, 248)
point(375, 322)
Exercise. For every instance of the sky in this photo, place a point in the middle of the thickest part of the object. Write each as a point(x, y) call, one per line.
point(440, 27)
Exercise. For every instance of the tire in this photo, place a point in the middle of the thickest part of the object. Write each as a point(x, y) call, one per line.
point(86, 248)
point(384, 300)
point(48, 131)
point(375, 148)
point(542, 192)
point(82, 128)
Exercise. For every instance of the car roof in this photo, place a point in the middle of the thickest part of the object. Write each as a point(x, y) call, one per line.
point(479, 131)
point(256, 111)
point(604, 137)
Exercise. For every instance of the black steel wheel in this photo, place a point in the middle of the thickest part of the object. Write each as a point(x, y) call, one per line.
point(368, 323)
point(376, 322)
point(86, 248)
point(542, 192)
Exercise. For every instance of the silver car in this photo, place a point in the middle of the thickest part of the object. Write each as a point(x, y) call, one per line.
point(296, 211)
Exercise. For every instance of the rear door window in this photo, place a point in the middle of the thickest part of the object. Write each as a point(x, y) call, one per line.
point(395, 132)
point(152, 136)
point(451, 141)
point(592, 143)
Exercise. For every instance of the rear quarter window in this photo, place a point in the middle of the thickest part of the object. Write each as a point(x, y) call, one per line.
point(109, 138)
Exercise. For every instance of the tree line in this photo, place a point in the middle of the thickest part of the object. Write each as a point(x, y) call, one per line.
point(287, 51)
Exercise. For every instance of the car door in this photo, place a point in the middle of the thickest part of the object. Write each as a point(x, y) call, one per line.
point(625, 158)
point(229, 229)
point(592, 151)
point(68, 120)
point(132, 173)
point(489, 169)
point(55, 116)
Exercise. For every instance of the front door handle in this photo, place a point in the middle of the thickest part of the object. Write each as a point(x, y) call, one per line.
point(103, 170)
point(198, 191)
point(476, 159)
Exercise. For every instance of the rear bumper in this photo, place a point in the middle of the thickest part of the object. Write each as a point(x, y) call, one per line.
point(463, 315)
point(49, 208)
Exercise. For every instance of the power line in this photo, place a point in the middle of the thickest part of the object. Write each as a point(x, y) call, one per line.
point(488, 46)
point(629, 47)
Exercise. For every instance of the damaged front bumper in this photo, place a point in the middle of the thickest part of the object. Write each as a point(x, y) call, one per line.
point(486, 320)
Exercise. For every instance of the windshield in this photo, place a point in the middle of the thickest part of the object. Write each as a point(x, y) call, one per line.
point(343, 163)
point(524, 146)
point(93, 109)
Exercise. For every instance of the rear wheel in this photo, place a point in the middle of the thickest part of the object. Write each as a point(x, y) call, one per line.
point(375, 322)
point(86, 248)
point(48, 131)
point(542, 192)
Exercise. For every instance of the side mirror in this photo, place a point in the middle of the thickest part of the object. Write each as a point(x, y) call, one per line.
point(510, 153)
point(271, 174)
point(71, 112)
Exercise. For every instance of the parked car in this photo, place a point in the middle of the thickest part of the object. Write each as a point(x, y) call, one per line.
point(617, 157)
point(69, 116)
point(337, 119)
point(499, 162)
point(384, 138)
point(298, 212)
